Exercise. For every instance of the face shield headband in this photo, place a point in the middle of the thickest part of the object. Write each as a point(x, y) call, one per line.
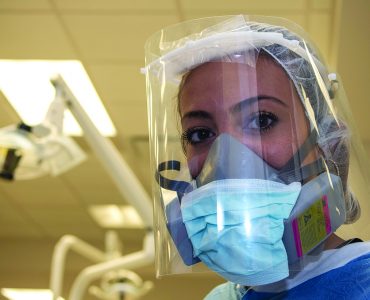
point(216, 46)
point(243, 37)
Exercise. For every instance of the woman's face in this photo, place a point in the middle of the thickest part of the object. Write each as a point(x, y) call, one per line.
point(258, 105)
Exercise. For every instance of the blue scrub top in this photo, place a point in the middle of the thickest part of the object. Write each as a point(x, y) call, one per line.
point(351, 282)
point(339, 274)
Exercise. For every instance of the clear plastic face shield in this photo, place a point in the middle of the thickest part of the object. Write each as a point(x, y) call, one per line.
point(249, 149)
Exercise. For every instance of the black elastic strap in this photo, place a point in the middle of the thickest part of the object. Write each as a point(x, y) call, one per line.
point(350, 241)
point(299, 174)
point(302, 152)
point(169, 184)
point(303, 173)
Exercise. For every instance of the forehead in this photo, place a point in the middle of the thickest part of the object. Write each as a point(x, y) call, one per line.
point(227, 83)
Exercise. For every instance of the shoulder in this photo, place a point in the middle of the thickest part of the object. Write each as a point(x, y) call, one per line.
point(359, 269)
point(223, 291)
point(351, 281)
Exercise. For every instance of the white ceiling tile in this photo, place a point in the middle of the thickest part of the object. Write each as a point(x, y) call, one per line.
point(93, 184)
point(119, 82)
point(48, 190)
point(47, 182)
point(54, 205)
point(299, 18)
point(243, 5)
point(58, 222)
point(13, 223)
point(353, 62)
point(116, 4)
point(31, 254)
point(24, 4)
point(7, 114)
point(138, 158)
point(101, 196)
point(89, 175)
point(18, 230)
point(321, 4)
point(82, 232)
point(319, 28)
point(130, 119)
point(114, 37)
point(53, 217)
point(33, 36)
point(61, 225)
point(96, 187)
point(60, 197)
point(9, 213)
point(94, 178)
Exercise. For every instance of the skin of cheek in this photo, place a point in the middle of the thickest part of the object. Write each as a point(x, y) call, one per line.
point(279, 145)
point(196, 162)
point(292, 129)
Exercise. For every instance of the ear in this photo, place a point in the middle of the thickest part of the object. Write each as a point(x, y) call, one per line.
point(336, 150)
point(337, 153)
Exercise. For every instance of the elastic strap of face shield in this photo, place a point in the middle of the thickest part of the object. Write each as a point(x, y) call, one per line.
point(169, 184)
point(290, 173)
point(175, 224)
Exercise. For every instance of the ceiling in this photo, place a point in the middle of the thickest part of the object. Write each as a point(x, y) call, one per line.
point(108, 38)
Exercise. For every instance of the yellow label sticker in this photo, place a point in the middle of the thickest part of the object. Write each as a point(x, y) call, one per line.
point(312, 225)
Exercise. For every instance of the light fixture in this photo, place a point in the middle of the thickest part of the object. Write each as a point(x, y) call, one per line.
point(28, 152)
point(114, 216)
point(25, 155)
point(28, 294)
point(26, 85)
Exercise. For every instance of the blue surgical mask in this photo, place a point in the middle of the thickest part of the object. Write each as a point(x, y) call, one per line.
point(236, 227)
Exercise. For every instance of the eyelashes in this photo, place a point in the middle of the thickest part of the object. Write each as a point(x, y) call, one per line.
point(196, 135)
point(261, 121)
point(258, 123)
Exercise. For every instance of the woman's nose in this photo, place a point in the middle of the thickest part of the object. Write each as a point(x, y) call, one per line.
point(220, 158)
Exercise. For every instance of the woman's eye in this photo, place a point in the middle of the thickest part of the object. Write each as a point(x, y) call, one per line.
point(197, 135)
point(262, 121)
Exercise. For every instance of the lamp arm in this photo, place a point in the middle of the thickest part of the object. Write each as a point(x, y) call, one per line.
point(131, 261)
point(66, 243)
point(124, 178)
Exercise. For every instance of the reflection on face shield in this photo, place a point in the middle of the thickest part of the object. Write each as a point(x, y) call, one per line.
point(246, 123)
point(257, 105)
point(254, 111)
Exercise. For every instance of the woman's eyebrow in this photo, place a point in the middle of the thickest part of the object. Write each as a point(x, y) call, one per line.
point(249, 101)
point(196, 114)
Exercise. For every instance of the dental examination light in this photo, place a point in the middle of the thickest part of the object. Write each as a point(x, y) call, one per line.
point(28, 152)
point(133, 192)
point(118, 281)
point(121, 284)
